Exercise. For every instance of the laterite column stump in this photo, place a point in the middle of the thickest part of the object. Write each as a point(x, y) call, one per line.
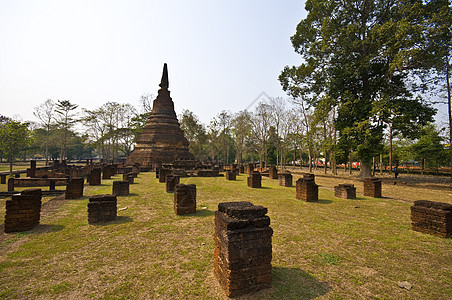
point(185, 199)
point(23, 211)
point(162, 174)
point(255, 180)
point(306, 189)
point(102, 208)
point(243, 248)
point(273, 173)
point(171, 182)
point(120, 188)
point(372, 187)
point(231, 175)
point(74, 188)
point(285, 179)
point(345, 191)
point(94, 177)
point(432, 218)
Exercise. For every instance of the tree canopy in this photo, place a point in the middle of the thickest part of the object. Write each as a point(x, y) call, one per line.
point(360, 54)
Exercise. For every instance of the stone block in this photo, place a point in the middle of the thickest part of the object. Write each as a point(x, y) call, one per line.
point(74, 188)
point(372, 187)
point(254, 180)
point(243, 248)
point(121, 188)
point(11, 184)
point(185, 199)
point(171, 182)
point(162, 174)
point(102, 208)
point(23, 211)
point(285, 179)
point(94, 177)
point(231, 175)
point(273, 173)
point(307, 190)
point(345, 191)
point(432, 217)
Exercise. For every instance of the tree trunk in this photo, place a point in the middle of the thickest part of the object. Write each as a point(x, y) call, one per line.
point(373, 166)
point(310, 162)
point(390, 149)
point(47, 154)
point(422, 166)
point(366, 170)
point(350, 160)
point(381, 163)
point(10, 164)
point(449, 106)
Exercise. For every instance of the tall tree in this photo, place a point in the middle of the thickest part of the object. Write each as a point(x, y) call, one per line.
point(429, 147)
point(357, 53)
point(195, 133)
point(65, 121)
point(261, 128)
point(224, 121)
point(14, 138)
point(437, 55)
point(241, 130)
point(45, 113)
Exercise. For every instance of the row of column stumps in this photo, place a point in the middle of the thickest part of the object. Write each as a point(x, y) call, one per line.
point(243, 251)
point(184, 194)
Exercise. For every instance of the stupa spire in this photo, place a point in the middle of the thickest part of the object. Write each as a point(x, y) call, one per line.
point(164, 83)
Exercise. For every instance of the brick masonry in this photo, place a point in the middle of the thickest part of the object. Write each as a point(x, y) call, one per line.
point(432, 218)
point(285, 179)
point(372, 187)
point(273, 173)
point(231, 174)
point(345, 191)
point(185, 199)
point(23, 211)
point(243, 248)
point(171, 182)
point(94, 177)
point(121, 188)
point(306, 189)
point(102, 208)
point(74, 188)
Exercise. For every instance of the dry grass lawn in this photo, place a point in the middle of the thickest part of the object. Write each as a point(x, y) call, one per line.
point(333, 249)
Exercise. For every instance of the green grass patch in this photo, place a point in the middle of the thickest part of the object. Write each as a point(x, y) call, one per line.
point(330, 259)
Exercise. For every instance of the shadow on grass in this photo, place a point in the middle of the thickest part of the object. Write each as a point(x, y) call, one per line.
point(132, 194)
point(324, 201)
point(200, 213)
point(294, 283)
point(39, 229)
point(266, 188)
point(118, 220)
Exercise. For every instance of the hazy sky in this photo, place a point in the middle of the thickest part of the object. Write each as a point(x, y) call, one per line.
point(221, 54)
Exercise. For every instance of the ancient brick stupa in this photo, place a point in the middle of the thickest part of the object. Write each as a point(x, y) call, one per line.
point(161, 141)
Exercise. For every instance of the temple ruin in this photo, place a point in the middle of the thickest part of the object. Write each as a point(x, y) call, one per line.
point(162, 141)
